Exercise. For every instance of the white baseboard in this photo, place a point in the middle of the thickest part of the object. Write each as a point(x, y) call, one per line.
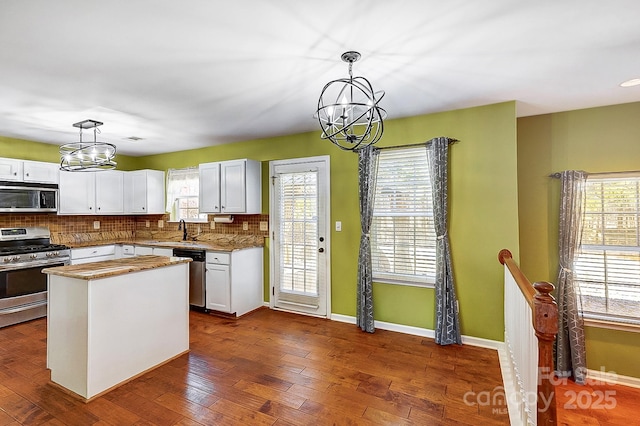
point(343, 318)
point(418, 331)
point(613, 378)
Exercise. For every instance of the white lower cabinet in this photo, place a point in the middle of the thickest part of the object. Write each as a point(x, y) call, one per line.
point(125, 250)
point(234, 280)
point(92, 254)
point(218, 288)
point(158, 251)
point(142, 250)
point(163, 251)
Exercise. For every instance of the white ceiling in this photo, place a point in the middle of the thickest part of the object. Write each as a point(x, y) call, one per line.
point(193, 73)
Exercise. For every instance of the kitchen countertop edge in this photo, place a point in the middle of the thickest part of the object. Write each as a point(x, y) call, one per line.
point(201, 245)
point(111, 268)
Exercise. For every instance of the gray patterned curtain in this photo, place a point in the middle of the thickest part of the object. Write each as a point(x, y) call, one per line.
point(570, 346)
point(367, 164)
point(447, 323)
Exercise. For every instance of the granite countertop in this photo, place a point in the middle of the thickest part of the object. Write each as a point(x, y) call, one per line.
point(217, 242)
point(203, 245)
point(110, 268)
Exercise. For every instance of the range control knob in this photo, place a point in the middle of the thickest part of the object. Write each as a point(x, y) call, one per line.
point(33, 256)
point(6, 259)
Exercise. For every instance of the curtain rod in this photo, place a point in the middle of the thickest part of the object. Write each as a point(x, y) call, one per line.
point(557, 175)
point(450, 140)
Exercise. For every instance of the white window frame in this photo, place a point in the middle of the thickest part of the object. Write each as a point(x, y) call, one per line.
point(421, 207)
point(604, 237)
point(181, 184)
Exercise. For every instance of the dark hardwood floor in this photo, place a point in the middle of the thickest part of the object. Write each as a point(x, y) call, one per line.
point(274, 368)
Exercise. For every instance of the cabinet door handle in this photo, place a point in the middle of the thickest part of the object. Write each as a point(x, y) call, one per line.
point(321, 250)
point(90, 208)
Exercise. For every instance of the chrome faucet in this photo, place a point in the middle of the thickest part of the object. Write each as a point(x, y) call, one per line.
point(183, 226)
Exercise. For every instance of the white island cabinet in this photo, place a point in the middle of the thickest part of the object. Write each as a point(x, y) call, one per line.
point(111, 321)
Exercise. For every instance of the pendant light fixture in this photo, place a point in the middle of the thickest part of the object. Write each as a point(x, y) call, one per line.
point(87, 156)
point(348, 110)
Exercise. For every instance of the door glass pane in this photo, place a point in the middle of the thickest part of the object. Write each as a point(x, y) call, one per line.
point(299, 233)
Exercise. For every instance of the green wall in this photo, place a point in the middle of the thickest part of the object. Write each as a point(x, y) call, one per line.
point(605, 139)
point(483, 204)
point(482, 200)
point(37, 151)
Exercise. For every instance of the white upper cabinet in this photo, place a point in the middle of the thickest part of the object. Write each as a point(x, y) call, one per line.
point(230, 187)
point(209, 195)
point(77, 193)
point(144, 192)
point(28, 171)
point(109, 192)
point(10, 169)
point(38, 171)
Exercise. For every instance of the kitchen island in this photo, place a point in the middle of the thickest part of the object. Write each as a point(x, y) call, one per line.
point(111, 321)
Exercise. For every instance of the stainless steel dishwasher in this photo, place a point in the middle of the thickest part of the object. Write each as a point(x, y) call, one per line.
point(197, 290)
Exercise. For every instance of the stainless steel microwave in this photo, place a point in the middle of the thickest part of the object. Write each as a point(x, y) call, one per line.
point(28, 197)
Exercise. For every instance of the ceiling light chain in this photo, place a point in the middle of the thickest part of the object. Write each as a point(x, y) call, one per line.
point(87, 156)
point(348, 110)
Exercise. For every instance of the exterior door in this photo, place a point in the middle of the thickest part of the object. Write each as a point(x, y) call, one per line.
point(300, 246)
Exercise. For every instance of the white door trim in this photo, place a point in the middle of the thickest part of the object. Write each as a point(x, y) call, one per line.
point(327, 255)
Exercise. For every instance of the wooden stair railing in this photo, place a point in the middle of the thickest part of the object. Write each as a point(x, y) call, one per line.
point(545, 324)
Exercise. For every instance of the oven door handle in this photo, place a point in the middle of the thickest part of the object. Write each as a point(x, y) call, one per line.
point(22, 308)
point(26, 265)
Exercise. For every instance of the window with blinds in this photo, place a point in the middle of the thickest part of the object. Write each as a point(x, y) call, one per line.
point(607, 264)
point(183, 186)
point(403, 238)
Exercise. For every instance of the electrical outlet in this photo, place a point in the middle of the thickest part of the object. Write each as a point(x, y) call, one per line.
point(245, 226)
point(160, 223)
point(338, 226)
point(212, 225)
point(96, 224)
point(264, 226)
point(147, 223)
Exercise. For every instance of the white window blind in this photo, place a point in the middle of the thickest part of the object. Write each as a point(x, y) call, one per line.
point(607, 264)
point(182, 194)
point(298, 204)
point(403, 238)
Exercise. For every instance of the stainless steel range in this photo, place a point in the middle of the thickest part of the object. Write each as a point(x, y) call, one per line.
point(24, 252)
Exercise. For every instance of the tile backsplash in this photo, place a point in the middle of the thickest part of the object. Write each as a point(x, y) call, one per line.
point(85, 224)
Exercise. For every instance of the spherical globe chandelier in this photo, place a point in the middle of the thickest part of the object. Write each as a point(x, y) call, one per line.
point(348, 110)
